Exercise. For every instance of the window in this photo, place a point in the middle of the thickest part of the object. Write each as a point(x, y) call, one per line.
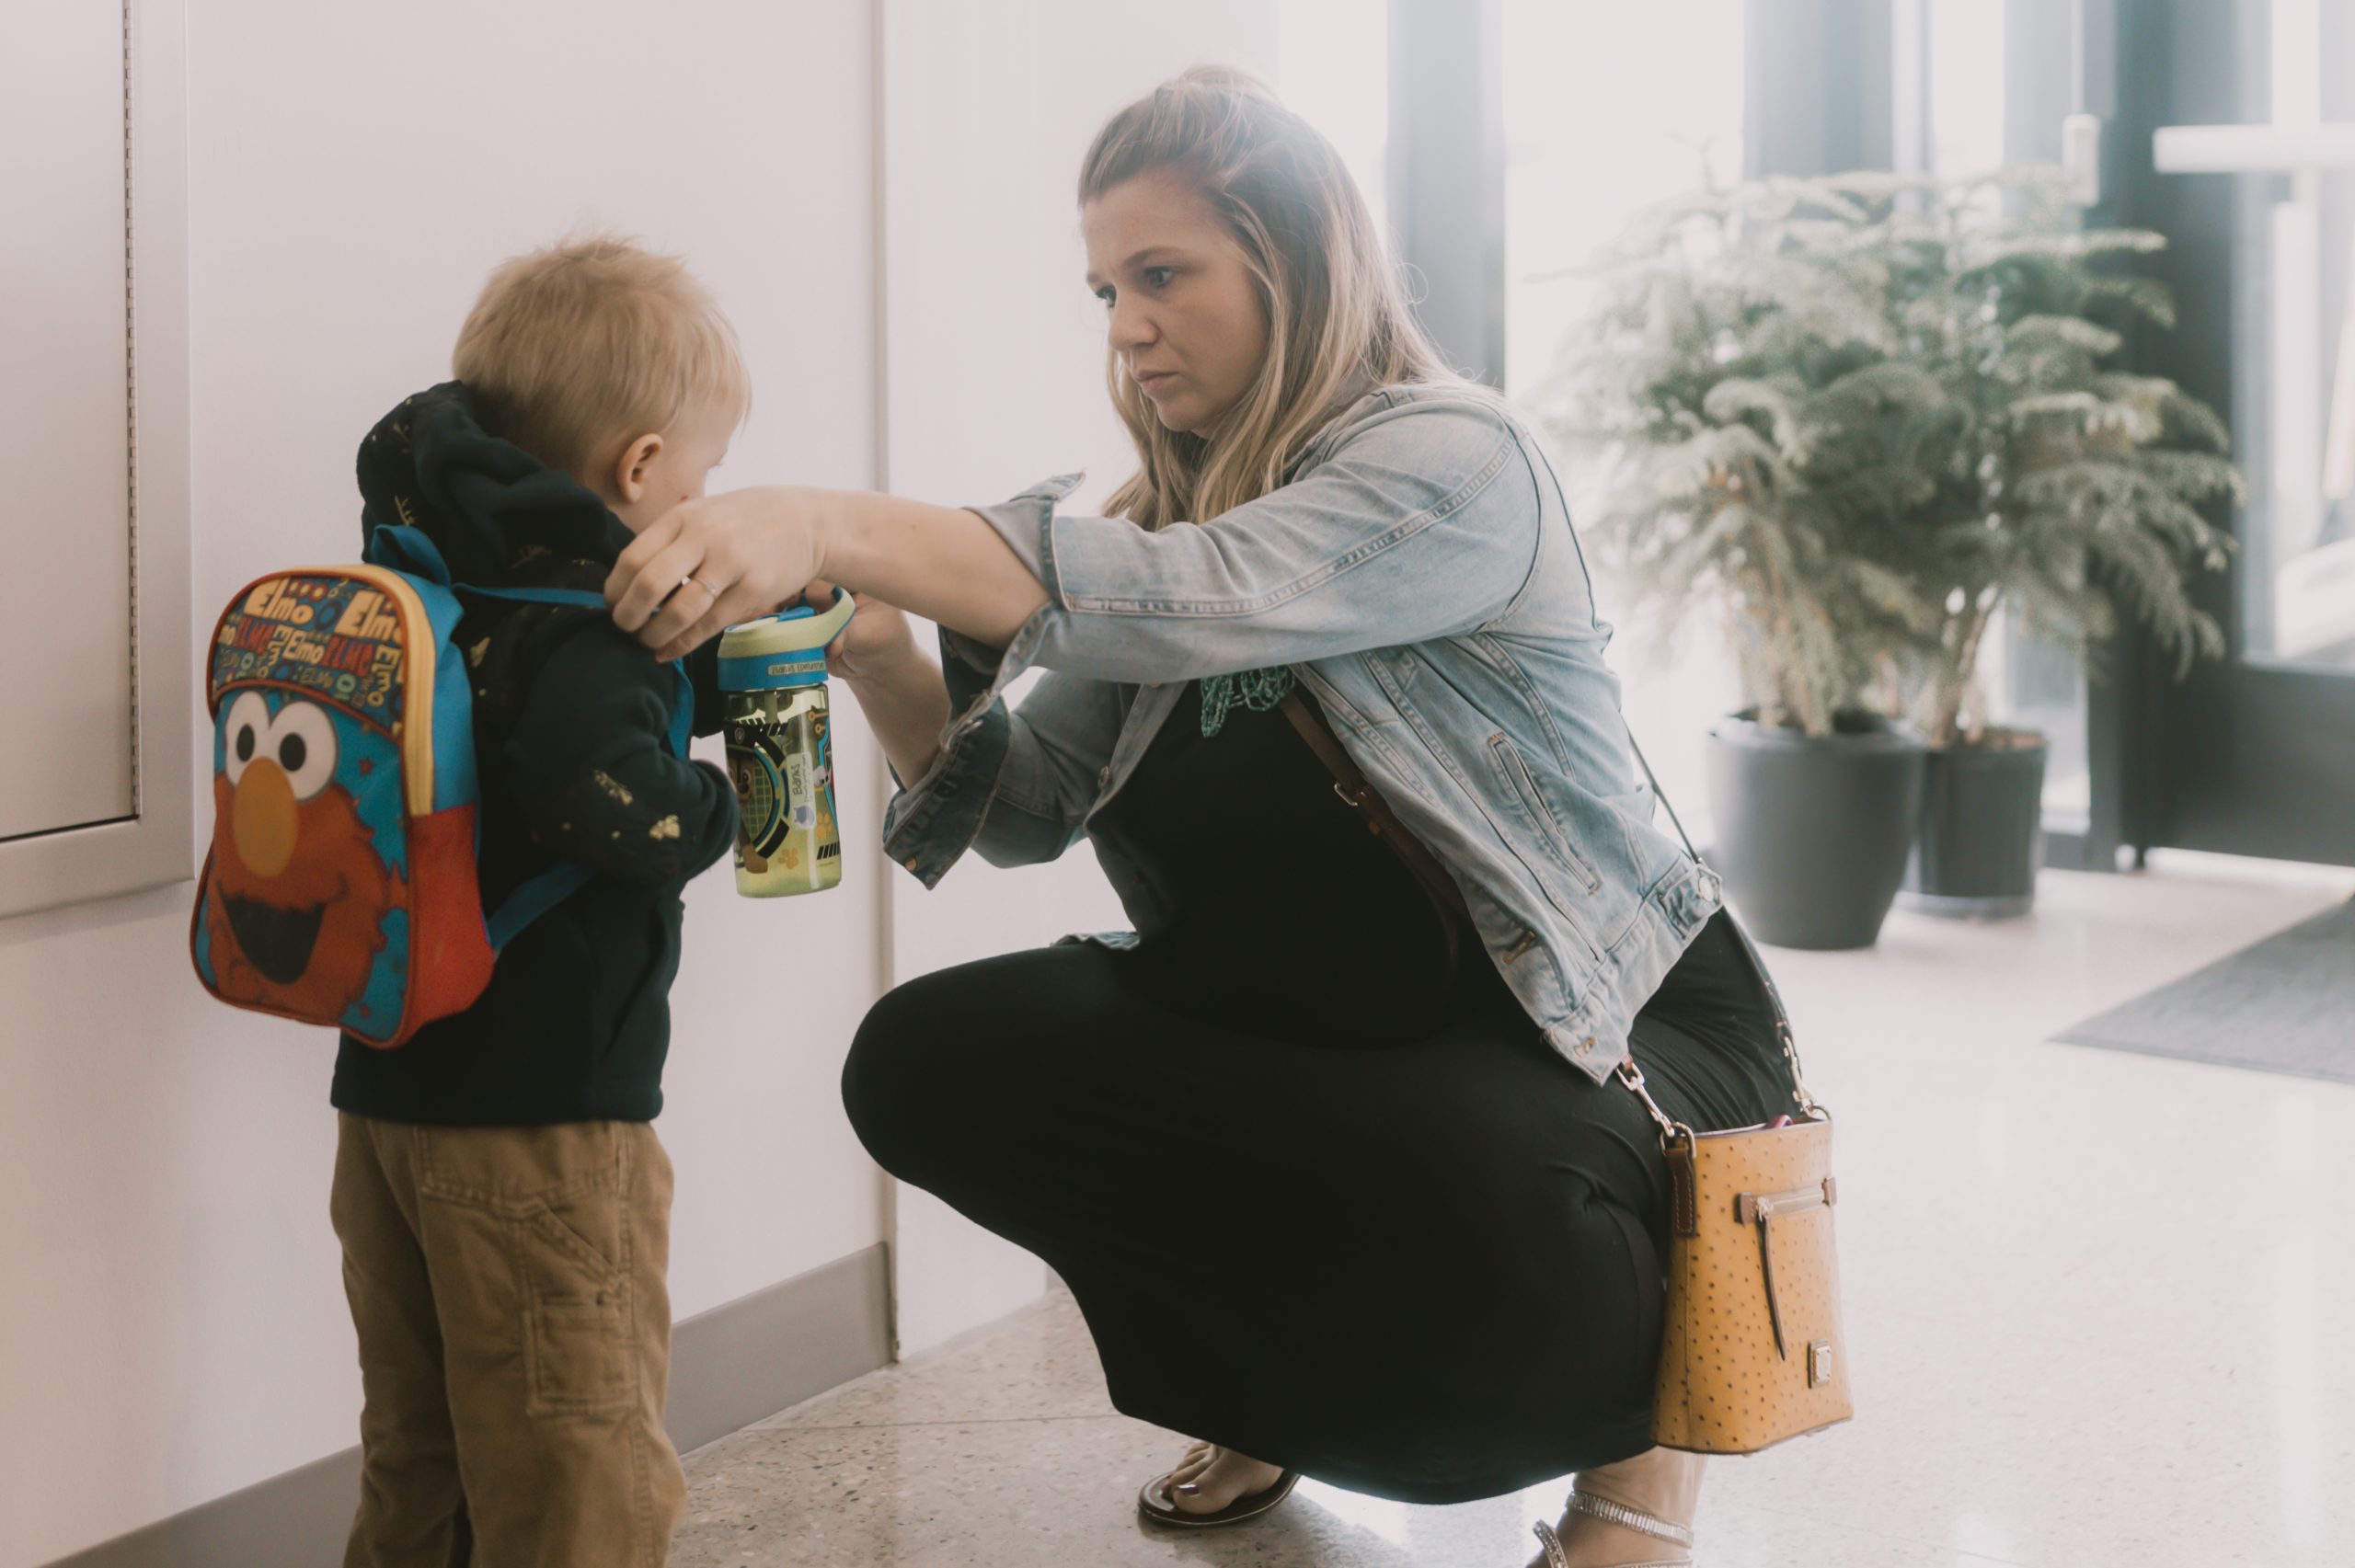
point(1609, 109)
point(2294, 371)
point(95, 779)
point(2030, 683)
point(1333, 70)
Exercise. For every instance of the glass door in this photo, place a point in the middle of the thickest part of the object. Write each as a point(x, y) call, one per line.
point(2246, 159)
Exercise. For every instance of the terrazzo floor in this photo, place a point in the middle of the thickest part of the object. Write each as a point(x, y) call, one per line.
point(2099, 1307)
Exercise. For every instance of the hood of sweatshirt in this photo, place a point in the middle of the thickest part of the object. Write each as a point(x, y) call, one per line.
point(499, 515)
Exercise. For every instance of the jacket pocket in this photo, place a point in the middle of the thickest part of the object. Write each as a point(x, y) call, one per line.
point(1541, 816)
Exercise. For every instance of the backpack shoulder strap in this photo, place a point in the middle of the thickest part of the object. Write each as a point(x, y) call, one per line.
point(407, 549)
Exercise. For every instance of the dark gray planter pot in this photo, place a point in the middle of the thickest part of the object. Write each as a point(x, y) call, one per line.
point(1812, 831)
point(1983, 830)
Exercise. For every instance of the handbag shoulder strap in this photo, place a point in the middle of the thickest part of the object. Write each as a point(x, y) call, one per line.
point(1350, 784)
point(1633, 1075)
point(1749, 948)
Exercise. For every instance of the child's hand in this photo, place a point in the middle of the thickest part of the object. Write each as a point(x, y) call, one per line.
point(877, 642)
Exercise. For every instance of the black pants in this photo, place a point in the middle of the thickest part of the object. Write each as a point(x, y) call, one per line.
point(1429, 1269)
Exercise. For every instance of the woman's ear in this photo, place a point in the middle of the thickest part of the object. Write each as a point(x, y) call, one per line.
point(631, 468)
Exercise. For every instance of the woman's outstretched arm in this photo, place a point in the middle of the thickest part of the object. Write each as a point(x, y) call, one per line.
point(713, 562)
point(1016, 788)
point(1423, 519)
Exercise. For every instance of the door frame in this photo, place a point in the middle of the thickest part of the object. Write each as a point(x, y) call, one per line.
point(2239, 757)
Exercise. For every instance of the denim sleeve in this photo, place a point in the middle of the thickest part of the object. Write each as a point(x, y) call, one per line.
point(1422, 522)
point(1015, 783)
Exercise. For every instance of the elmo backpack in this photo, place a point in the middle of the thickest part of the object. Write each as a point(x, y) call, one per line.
point(341, 887)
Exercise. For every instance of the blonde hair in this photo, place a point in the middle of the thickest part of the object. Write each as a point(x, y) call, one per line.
point(594, 340)
point(1338, 323)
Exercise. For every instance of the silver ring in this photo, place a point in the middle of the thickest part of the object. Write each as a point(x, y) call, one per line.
point(691, 579)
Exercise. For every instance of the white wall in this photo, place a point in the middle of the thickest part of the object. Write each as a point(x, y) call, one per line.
point(171, 1321)
point(171, 1318)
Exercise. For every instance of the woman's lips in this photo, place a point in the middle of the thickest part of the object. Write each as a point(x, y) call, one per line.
point(1150, 382)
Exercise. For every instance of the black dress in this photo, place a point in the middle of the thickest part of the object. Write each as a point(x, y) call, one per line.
point(1320, 1200)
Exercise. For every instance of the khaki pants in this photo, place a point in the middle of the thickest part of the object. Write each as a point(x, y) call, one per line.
point(507, 1285)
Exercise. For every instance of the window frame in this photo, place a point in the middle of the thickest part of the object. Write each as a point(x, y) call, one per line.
point(1830, 84)
point(155, 846)
point(1446, 173)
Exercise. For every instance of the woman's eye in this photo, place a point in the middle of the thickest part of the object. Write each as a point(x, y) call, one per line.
point(1104, 294)
point(1159, 277)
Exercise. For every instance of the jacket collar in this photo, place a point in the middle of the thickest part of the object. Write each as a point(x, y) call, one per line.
point(497, 514)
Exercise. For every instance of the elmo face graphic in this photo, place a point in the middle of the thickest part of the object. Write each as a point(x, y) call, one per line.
point(298, 894)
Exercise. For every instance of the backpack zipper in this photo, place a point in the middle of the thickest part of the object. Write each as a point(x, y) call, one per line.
point(417, 646)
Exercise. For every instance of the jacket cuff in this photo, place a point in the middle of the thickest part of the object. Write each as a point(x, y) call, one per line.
point(930, 824)
point(969, 668)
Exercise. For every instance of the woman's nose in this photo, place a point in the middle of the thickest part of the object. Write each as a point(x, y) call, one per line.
point(1131, 327)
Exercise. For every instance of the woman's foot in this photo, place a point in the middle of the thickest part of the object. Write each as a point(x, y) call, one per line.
point(1211, 1478)
point(1659, 1484)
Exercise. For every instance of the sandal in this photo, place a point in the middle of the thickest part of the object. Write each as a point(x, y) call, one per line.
point(1627, 1518)
point(1154, 1503)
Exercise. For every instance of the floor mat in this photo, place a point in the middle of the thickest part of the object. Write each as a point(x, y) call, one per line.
point(2285, 1004)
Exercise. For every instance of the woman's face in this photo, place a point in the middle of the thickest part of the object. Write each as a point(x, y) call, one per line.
point(1184, 314)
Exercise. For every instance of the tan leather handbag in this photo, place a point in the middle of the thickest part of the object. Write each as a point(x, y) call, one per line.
point(1751, 1351)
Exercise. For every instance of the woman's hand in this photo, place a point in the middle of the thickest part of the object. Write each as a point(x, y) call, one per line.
point(708, 564)
point(901, 691)
point(877, 644)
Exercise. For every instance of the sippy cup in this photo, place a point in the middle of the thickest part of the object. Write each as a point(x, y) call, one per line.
point(773, 674)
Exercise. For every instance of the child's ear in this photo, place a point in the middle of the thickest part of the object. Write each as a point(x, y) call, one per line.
point(631, 467)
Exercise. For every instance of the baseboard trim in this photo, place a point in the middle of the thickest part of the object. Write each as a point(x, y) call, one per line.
point(730, 1366)
point(745, 1361)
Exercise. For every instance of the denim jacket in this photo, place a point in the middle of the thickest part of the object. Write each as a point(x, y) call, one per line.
point(1419, 574)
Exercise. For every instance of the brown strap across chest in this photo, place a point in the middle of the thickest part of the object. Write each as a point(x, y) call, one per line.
point(1350, 784)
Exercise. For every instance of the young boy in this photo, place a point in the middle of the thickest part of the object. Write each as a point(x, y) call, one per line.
point(504, 1204)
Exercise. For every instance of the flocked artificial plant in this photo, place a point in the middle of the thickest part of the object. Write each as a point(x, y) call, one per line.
point(2062, 489)
point(1857, 417)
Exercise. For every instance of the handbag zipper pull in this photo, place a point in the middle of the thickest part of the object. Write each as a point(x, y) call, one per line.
point(1760, 1212)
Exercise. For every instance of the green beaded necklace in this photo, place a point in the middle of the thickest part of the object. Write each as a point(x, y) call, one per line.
point(1258, 690)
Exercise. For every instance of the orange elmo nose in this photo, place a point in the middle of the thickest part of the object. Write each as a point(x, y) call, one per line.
point(263, 820)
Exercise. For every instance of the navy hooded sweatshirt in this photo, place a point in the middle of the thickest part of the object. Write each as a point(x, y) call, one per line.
point(571, 722)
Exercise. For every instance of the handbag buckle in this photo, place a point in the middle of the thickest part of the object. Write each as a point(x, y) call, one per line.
point(1671, 1129)
point(1800, 1096)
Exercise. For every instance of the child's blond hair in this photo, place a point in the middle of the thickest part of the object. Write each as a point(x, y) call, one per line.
point(594, 341)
